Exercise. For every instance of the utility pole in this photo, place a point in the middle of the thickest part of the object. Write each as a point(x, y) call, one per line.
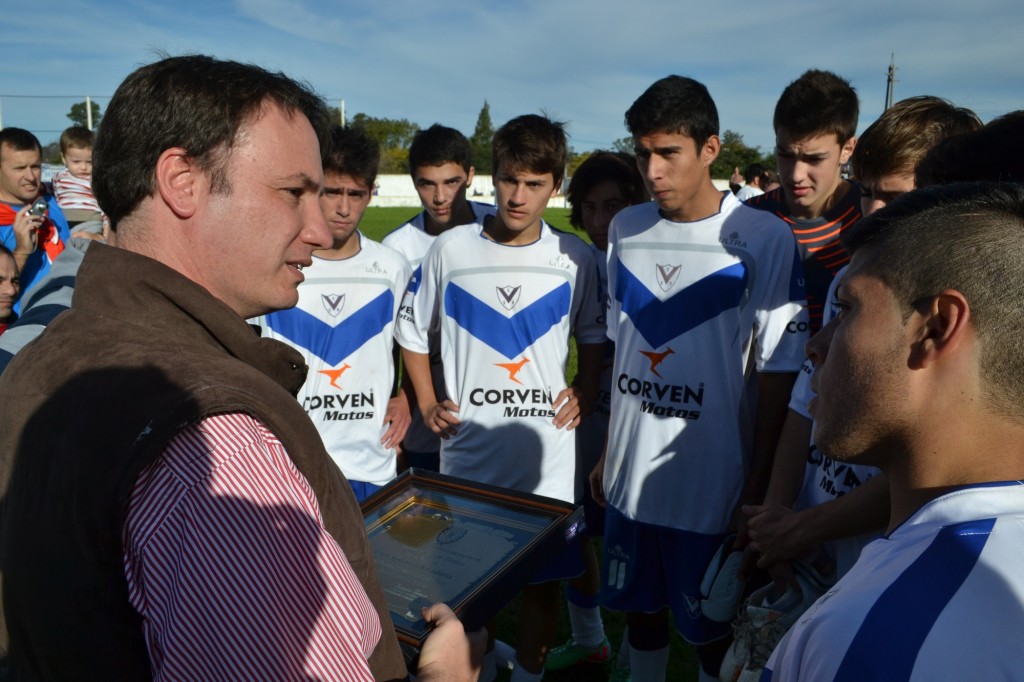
point(890, 81)
point(341, 109)
point(88, 112)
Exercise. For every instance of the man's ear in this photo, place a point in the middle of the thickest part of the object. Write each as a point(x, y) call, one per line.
point(709, 151)
point(846, 151)
point(943, 327)
point(470, 175)
point(177, 181)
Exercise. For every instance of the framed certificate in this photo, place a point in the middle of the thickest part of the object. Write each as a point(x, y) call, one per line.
point(437, 538)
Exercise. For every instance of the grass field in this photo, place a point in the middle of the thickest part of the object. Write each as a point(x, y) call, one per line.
point(378, 222)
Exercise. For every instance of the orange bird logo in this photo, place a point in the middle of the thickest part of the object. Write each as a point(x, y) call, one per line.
point(656, 359)
point(513, 368)
point(335, 374)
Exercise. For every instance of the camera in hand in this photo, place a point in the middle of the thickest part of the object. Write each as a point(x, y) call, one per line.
point(39, 207)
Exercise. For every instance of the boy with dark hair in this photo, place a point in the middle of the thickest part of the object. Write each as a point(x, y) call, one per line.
point(812, 500)
point(994, 153)
point(699, 286)
point(506, 295)
point(754, 179)
point(73, 186)
point(921, 376)
point(815, 123)
point(344, 324)
point(603, 185)
point(439, 162)
point(35, 237)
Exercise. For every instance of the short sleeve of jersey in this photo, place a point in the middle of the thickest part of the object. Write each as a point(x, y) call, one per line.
point(782, 323)
point(418, 314)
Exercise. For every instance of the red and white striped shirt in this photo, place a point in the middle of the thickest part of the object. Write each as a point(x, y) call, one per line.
point(74, 193)
point(230, 566)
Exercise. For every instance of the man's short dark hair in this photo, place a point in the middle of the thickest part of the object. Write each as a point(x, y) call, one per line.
point(19, 140)
point(995, 152)
point(353, 152)
point(76, 137)
point(438, 145)
point(531, 144)
point(968, 237)
point(674, 104)
point(901, 137)
point(817, 103)
point(604, 166)
point(194, 102)
point(754, 170)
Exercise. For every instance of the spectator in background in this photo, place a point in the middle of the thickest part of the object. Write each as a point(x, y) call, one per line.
point(755, 182)
point(35, 238)
point(73, 186)
point(8, 288)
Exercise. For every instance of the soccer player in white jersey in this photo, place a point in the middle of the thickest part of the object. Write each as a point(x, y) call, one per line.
point(344, 324)
point(699, 285)
point(837, 506)
point(506, 296)
point(921, 375)
point(440, 162)
point(603, 185)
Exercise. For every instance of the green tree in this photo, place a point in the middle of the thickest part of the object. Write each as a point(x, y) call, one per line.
point(734, 154)
point(575, 161)
point(78, 115)
point(480, 143)
point(623, 144)
point(391, 133)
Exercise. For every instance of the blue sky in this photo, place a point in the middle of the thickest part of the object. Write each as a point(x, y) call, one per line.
point(582, 61)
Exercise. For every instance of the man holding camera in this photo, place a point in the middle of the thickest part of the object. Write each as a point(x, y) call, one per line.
point(31, 223)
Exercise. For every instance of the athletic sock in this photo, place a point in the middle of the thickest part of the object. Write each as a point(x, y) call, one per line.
point(587, 626)
point(622, 658)
point(648, 666)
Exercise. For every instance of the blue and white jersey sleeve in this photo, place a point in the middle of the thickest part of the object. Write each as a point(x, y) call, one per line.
point(418, 317)
point(942, 598)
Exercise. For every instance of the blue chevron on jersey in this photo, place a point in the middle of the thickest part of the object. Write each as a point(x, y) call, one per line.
point(332, 344)
point(414, 281)
point(661, 321)
point(510, 336)
point(921, 590)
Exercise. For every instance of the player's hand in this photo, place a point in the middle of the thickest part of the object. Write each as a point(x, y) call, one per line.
point(26, 231)
point(774, 531)
point(570, 408)
point(397, 417)
point(596, 480)
point(449, 653)
point(440, 418)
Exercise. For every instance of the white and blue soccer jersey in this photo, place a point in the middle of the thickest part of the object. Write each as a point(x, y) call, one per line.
point(413, 241)
point(505, 315)
point(941, 598)
point(826, 479)
point(687, 301)
point(344, 326)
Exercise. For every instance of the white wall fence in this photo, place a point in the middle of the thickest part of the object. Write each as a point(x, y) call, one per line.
point(398, 190)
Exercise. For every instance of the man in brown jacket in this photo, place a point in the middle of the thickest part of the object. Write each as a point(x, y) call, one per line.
point(168, 508)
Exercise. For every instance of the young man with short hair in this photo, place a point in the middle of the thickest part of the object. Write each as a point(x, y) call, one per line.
point(35, 239)
point(699, 286)
point(817, 507)
point(344, 324)
point(441, 167)
point(507, 294)
point(815, 126)
point(920, 375)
